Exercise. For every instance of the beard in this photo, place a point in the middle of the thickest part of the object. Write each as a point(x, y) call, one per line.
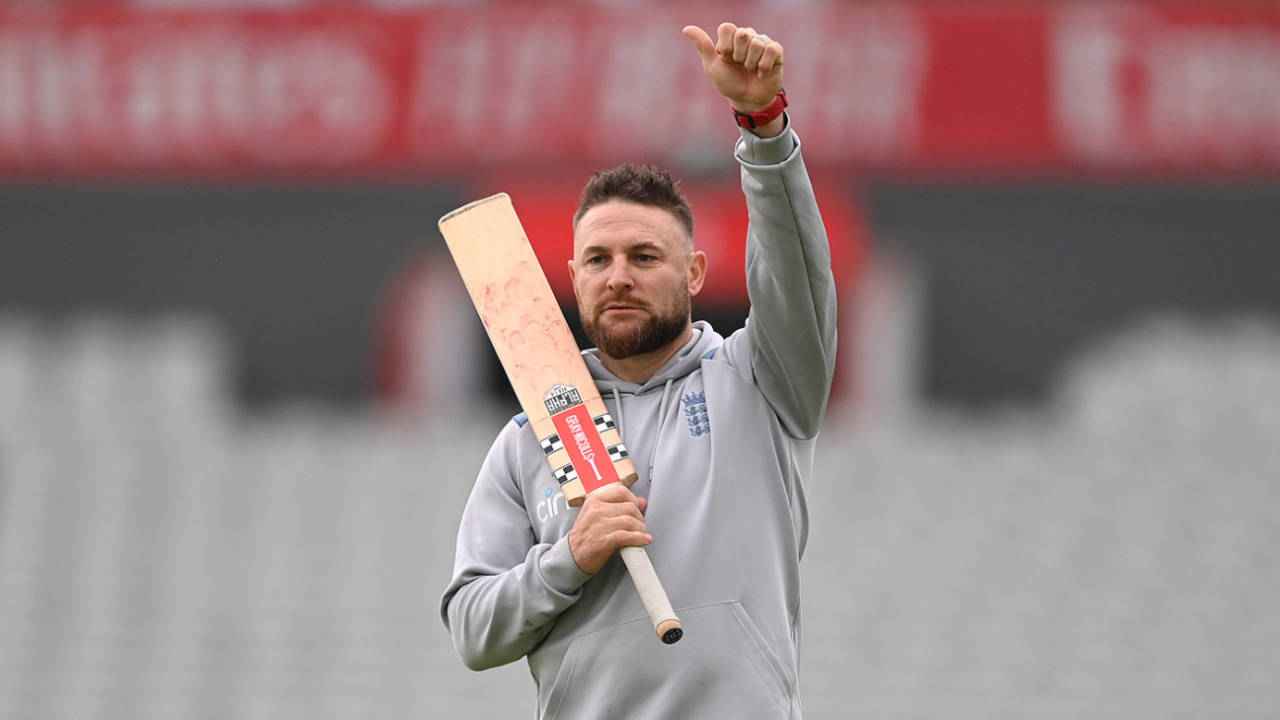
point(623, 340)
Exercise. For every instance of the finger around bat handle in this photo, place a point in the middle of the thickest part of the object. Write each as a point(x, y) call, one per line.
point(611, 518)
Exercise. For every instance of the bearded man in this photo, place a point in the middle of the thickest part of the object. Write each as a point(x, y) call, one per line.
point(722, 431)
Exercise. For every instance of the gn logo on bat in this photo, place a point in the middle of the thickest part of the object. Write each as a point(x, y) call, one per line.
point(561, 397)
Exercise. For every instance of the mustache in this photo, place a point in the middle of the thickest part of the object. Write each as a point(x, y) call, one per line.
point(626, 300)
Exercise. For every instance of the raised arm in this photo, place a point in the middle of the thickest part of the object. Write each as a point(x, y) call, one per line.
point(789, 344)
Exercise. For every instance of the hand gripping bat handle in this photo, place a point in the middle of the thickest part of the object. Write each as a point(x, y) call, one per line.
point(665, 622)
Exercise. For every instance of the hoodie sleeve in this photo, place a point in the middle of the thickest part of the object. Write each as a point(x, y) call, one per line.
point(789, 344)
point(507, 588)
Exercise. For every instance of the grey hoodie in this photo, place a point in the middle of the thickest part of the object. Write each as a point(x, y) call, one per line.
point(722, 438)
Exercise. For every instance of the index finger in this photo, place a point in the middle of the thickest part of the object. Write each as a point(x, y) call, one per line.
point(724, 39)
point(615, 492)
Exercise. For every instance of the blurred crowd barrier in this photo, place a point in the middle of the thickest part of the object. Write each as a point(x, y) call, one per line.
point(166, 554)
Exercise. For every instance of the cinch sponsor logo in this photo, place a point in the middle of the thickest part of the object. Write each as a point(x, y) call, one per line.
point(551, 504)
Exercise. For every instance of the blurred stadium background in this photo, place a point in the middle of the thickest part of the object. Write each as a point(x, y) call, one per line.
point(242, 396)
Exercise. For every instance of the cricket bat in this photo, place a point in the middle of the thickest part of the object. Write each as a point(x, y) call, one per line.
point(583, 447)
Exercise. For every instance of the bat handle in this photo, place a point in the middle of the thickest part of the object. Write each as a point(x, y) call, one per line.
point(665, 622)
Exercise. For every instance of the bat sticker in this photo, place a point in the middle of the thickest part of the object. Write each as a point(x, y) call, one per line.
point(565, 474)
point(576, 431)
point(560, 398)
point(551, 444)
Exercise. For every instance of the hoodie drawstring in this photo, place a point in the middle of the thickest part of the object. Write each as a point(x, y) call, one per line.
point(662, 419)
point(622, 425)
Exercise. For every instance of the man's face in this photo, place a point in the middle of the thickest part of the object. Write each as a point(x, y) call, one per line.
point(634, 277)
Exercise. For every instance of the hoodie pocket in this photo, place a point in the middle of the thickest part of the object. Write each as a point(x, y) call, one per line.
point(721, 668)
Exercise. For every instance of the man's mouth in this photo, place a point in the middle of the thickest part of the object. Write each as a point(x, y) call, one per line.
point(622, 307)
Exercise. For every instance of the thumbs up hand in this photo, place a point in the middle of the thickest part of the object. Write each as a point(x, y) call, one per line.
point(743, 65)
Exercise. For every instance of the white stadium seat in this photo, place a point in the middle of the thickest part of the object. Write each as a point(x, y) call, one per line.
point(164, 554)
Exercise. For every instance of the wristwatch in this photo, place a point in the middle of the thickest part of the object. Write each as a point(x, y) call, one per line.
point(761, 117)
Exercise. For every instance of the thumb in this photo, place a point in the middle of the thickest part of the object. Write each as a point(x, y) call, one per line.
point(701, 40)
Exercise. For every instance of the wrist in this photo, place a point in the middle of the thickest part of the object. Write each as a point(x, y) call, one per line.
point(770, 129)
point(560, 570)
point(752, 117)
point(746, 108)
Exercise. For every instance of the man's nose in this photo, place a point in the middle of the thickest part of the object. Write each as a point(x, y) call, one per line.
point(620, 277)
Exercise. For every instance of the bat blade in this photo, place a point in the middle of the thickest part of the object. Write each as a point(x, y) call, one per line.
point(584, 448)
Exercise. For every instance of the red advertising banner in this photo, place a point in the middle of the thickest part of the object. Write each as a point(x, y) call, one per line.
point(896, 87)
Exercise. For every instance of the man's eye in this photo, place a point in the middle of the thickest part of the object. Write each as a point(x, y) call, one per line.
point(646, 258)
point(595, 260)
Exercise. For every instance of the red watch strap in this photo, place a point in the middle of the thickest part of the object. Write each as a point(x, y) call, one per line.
point(762, 117)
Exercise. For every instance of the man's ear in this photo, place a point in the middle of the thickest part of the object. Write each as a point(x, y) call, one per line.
point(697, 271)
point(573, 277)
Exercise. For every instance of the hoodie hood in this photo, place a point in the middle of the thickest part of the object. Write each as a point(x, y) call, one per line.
point(685, 361)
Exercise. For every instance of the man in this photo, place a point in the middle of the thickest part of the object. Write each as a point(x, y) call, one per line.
point(722, 432)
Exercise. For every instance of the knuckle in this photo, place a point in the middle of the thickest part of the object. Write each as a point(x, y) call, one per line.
point(630, 524)
point(629, 539)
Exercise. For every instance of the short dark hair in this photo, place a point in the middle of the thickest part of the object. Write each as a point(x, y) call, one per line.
point(642, 184)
